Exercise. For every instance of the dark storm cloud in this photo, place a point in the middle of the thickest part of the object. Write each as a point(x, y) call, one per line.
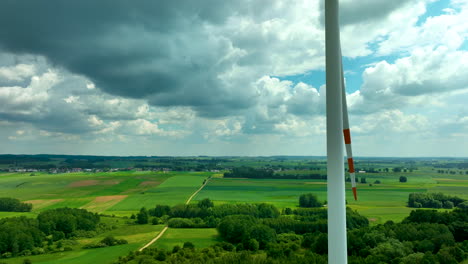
point(58, 119)
point(156, 50)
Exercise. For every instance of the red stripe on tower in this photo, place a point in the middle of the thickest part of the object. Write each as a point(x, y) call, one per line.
point(347, 136)
point(351, 165)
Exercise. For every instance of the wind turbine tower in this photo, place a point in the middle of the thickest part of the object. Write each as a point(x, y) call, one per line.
point(337, 248)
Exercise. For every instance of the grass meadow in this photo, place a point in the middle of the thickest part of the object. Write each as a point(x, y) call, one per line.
point(200, 237)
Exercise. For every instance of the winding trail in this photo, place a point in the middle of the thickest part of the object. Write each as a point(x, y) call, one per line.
point(195, 193)
point(154, 239)
point(166, 227)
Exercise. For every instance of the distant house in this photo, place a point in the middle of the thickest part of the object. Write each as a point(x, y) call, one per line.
point(361, 171)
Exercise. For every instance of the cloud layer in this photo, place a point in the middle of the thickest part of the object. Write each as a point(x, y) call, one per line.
point(213, 77)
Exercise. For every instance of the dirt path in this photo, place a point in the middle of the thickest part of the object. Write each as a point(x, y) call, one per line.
point(166, 227)
point(195, 193)
point(154, 239)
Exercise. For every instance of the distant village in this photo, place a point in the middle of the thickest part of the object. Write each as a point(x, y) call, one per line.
point(90, 170)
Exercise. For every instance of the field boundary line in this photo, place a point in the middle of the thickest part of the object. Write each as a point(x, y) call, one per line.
point(195, 193)
point(155, 239)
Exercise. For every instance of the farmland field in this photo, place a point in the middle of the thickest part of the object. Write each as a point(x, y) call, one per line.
point(200, 237)
point(120, 194)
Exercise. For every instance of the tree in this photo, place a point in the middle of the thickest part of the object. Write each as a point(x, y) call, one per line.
point(403, 179)
point(188, 245)
point(309, 200)
point(263, 234)
point(252, 244)
point(142, 216)
point(463, 205)
point(205, 203)
point(447, 204)
point(160, 210)
point(320, 245)
point(267, 211)
point(363, 180)
point(14, 205)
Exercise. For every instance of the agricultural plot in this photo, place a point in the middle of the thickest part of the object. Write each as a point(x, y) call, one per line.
point(282, 193)
point(119, 193)
point(379, 202)
point(200, 237)
point(175, 190)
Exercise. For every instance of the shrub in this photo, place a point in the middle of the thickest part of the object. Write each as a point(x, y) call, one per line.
point(14, 205)
point(448, 205)
point(309, 200)
point(180, 223)
point(142, 216)
point(188, 245)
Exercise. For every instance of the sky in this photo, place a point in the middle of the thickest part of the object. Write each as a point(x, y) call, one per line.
point(235, 77)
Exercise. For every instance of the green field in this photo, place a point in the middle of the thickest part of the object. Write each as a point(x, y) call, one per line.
point(200, 237)
point(175, 190)
point(379, 202)
point(119, 193)
point(124, 193)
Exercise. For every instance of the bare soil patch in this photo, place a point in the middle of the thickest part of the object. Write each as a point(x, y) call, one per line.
point(38, 204)
point(102, 203)
point(103, 199)
point(149, 183)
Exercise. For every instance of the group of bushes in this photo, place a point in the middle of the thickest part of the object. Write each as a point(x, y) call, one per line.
point(25, 236)
point(309, 200)
point(14, 205)
point(203, 214)
point(107, 242)
point(435, 200)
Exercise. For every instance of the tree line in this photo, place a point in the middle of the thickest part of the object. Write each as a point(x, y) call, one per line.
point(25, 236)
point(435, 200)
point(14, 205)
point(268, 173)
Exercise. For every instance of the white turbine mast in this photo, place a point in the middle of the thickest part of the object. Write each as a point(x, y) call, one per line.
point(337, 123)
